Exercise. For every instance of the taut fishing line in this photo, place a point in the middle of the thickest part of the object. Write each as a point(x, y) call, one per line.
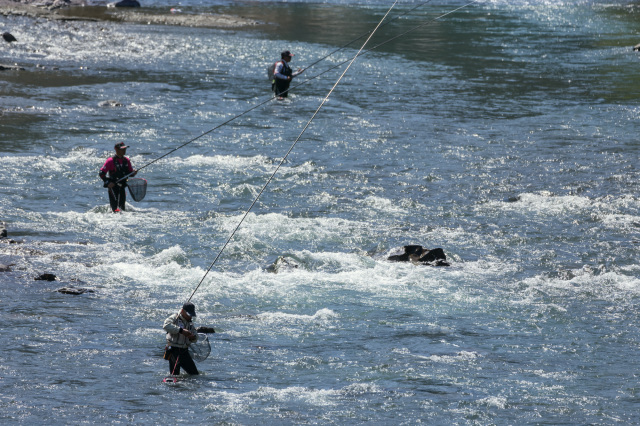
point(288, 152)
point(271, 98)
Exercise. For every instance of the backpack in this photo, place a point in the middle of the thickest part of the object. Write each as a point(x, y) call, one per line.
point(271, 69)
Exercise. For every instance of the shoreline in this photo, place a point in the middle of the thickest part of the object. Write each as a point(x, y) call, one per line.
point(77, 10)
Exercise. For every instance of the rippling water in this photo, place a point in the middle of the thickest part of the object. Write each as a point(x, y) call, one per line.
point(504, 133)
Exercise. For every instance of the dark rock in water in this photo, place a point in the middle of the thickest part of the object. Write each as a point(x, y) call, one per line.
point(412, 250)
point(11, 67)
point(74, 290)
point(3, 230)
point(45, 277)
point(109, 103)
point(206, 330)
point(8, 37)
point(282, 262)
point(419, 254)
point(5, 268)
point(127, 3)
point(433, 255)
point(636, 48)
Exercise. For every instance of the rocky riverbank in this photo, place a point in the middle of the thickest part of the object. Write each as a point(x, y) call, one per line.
point(80, 10)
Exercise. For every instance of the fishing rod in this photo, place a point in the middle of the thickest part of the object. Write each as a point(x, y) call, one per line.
point(387, 41)
point(362, 35)
point(326, 98)
point(271, 98)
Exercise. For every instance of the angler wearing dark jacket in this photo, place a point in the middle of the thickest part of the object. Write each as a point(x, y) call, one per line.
point(282, 75)
point(180, 334)
point(114, 169)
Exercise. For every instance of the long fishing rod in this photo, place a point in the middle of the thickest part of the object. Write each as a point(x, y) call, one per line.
point(362, 35)
point(271, 98)
point(388, 41)
point(288, 152)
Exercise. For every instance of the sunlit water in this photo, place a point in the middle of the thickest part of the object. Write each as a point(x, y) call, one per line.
point(504, 133)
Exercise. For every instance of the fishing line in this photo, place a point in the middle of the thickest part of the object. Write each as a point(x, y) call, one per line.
point(385, 42)
point(362, 35)
point(288, 152)
point(271, 98)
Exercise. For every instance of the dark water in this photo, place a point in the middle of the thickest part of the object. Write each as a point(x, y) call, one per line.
point(504, 133)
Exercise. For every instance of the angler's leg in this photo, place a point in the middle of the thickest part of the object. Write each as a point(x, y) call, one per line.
point(113, 201)
point(122, 198)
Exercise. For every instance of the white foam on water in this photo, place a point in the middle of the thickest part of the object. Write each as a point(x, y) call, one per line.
point(462, 356)
point(610, 286)
point(547, 204)
point(225, 162)
point(384, 205)
point(274, 318)
point(494, 401)
point(243, 402)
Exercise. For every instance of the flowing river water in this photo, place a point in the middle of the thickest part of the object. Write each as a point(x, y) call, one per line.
point(504, 133)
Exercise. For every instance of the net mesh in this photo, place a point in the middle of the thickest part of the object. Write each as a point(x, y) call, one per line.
point(200, 349)
point(137, 188)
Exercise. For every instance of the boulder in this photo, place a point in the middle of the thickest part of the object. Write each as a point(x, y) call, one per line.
point(125, 3)
point(636, 48)
point(5, 268)
point(45, 277)
point(206, 330)
point(419, 254)
point(8, 37)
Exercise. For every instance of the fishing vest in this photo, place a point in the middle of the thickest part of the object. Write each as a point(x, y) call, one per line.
point(122, 168)
point(179, 340)
point(286, 69)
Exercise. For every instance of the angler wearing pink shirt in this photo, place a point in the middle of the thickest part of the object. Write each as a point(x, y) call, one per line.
point(114, 169)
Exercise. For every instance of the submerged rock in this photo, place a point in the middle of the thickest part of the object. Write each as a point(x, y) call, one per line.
point(3, 230)
point(5, 268)
point(10, 67)
point(74, 290)
point(110, 103)
point(282, 262)
point(419, 254)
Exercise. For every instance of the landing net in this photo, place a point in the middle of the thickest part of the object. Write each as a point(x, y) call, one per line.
point(137, 188)
point(200, 349)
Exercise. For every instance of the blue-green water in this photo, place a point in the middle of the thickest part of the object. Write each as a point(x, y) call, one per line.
point(504, 133)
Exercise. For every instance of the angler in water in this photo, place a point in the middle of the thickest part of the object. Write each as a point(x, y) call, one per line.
point(114, 169)
point(180, 334)
point(283, 74)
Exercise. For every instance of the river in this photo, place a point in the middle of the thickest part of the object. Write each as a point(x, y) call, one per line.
point(504, 133)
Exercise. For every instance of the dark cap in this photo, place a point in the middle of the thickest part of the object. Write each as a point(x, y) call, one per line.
point(190, 309)
point(286, 53)
point(121, 145)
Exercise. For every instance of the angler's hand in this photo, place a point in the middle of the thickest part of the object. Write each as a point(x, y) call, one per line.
point(188, 334)
point(111, 185)
point(135, 172)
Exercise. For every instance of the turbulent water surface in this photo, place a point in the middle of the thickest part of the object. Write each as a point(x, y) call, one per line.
point(504, 133)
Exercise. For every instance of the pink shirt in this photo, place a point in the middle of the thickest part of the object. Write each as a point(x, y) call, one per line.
point(110, 166)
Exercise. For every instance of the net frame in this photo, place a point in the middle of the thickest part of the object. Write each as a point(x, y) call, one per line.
point(201, 348)
point(137, 188)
